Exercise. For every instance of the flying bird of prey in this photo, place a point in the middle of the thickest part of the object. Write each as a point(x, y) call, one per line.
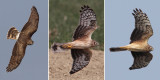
point(139, 46)
point(82, 41)
point(23, 39)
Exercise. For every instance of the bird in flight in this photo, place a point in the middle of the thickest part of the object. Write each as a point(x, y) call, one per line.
point(139, 46)
point(23, 39)
point(82, 41)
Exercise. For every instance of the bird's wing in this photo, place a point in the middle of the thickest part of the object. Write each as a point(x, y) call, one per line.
point(81, 58)
point(32, 25)
point(141, 59)
point(143, 30)
point(87, 23)
point(17, 56)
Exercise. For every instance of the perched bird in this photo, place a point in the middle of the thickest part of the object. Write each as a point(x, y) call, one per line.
point(23, 39)
point(82, 41)
point(139, 46)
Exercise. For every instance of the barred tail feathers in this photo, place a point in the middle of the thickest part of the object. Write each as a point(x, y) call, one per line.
point(56, 48)
point(13, 33)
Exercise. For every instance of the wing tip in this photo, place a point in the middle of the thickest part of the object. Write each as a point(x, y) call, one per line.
point(33, 8)
point(75, 70)
point(84, 7)
point(137, 11)
point(133, 68)
point(71, 72)
point(9, 69)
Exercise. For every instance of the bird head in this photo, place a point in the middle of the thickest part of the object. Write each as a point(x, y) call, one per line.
point(151, 48)
point(94, 43)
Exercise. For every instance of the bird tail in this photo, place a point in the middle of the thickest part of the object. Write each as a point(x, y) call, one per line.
point(56, 48)
point(114, 49)
point(13, 33)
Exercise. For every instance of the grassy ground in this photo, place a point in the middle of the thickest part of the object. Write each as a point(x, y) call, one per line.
point(64, 18)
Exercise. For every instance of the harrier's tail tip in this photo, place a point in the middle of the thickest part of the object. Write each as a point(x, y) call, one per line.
point(13, 33)
point(114, 49)
point(56, 48)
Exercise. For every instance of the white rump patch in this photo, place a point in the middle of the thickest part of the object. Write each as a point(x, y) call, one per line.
point(17, 36)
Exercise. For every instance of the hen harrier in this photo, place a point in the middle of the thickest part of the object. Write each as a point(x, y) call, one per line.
point(139, 46)
point(82, 41)
point(23, 39)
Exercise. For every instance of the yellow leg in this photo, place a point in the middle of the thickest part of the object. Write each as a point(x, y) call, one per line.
point(67, 46)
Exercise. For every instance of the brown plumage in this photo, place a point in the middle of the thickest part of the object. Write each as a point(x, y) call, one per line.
point(82, 41)
point(23, 40)
point(139, 46)
point(13, 33)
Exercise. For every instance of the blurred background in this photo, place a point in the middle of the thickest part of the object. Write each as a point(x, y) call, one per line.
point(64, 19)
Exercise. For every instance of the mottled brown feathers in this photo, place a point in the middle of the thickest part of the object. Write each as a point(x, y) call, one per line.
point(81, 58)
point(24, 39)
point(141, 59)
point(143, 29)
point(87, 22)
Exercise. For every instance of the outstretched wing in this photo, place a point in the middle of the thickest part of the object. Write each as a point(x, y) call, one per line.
point(87, 23)
point(143, 30)
point(141, 59)
point(32, 25)
point(17, 56)
point(81, 58)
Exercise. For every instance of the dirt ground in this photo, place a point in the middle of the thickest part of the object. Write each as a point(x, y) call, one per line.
point(61, 63)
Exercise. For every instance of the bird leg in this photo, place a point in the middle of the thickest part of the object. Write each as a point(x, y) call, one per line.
point(67, 46)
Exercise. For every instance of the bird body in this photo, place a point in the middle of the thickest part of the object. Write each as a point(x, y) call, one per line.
point(23, 39)
point(82, 41)
point(139, 47)
point(136, 47)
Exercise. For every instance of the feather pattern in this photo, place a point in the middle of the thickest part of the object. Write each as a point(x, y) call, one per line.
point(24, 39)
point(141, 59)
point(81, 58)
point(87, 21)
point(143, 29)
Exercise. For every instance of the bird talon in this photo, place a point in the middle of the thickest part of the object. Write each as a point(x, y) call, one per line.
point(67, 46)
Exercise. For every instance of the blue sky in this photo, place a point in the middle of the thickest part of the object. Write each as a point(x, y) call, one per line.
point(119, 24)
point(34, 65)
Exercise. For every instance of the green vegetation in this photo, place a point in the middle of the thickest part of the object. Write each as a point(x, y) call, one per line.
point(64, 19)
